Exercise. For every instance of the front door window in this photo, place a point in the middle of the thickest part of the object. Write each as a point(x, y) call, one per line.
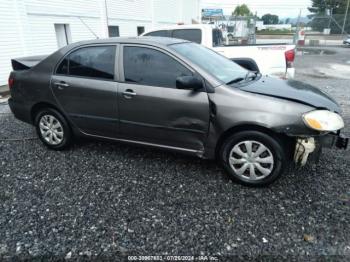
point(150, 67)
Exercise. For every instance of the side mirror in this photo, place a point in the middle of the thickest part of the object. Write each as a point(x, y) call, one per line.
point(189, 82)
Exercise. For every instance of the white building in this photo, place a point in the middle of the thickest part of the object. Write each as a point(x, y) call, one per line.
point(35, 27)
point(260, 26)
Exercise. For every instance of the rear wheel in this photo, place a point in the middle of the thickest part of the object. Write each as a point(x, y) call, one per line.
point(52, 129)
point(230, 37)
point(253, 158)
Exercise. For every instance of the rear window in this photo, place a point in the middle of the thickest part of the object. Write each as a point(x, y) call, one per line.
point(162, 33)
point(193, 35)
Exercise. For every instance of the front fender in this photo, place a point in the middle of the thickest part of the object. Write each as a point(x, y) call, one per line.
point(235, 108)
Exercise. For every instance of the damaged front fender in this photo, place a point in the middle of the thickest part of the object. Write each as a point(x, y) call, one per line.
point(236, 110)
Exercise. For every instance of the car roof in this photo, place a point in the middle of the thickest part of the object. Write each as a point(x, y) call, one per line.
point(135, 40)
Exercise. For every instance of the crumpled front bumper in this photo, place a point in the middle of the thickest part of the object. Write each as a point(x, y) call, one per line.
point(311, 147)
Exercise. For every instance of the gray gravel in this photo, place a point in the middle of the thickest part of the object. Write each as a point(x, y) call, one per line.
point(106, 200)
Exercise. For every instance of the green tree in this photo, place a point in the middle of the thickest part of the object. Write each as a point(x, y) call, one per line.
point(320, 9)
point(242, 10)
point(270, 19)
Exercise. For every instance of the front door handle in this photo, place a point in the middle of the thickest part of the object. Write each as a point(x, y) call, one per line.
point(61, 85)
point(128, 93)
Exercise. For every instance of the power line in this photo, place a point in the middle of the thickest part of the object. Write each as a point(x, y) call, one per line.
point(257, 4)
point(262, 5)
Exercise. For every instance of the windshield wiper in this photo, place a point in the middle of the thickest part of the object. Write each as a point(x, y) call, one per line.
point(251, 75)
point(236, 80)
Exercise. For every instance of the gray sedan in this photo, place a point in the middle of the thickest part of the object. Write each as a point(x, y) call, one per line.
point(175, 95)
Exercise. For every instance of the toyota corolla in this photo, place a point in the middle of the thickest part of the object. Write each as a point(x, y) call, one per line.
point(176, 95)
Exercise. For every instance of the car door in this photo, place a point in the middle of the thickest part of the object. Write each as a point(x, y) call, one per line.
point(151, 109)
point(85, 88)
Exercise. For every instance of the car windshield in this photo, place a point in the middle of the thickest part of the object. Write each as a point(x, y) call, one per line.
point(213, 63)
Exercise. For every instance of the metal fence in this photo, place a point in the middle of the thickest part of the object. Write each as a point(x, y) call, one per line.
point(319, 30)
point(331, 24)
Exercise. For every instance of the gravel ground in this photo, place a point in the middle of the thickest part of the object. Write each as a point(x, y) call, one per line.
point(106, 200)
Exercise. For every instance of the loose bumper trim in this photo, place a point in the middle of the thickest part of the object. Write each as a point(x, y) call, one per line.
point(342, 142)
point(312, 146)
point(335, 140)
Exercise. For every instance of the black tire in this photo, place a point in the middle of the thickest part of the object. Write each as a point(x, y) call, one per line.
point(274, 147)
point(67, 133)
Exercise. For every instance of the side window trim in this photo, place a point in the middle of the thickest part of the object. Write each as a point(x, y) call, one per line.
point(121, 60)
point(116, 69)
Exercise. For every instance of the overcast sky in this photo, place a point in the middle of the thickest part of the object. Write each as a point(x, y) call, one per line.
point(282, 8)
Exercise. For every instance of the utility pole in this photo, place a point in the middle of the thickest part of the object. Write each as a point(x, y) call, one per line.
point(106, 7)
point(330, 17)
point(296, 36)
point(103, 19)
point(254, 31)
point(345, 18)
point(152, 14)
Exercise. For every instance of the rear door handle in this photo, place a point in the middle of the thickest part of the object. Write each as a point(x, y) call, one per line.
point(128, 93)
point(61, 84)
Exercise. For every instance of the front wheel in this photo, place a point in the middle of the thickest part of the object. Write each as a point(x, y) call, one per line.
point(53, 129)
point(253, 158)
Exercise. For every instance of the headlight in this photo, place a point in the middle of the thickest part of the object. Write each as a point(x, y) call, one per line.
point(323, 120)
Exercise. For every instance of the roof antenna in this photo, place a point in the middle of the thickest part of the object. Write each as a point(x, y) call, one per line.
point(92, 32)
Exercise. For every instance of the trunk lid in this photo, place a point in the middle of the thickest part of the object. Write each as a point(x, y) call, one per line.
point(25, 63)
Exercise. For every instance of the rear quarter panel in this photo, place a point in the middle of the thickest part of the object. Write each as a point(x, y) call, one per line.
point(32, 86)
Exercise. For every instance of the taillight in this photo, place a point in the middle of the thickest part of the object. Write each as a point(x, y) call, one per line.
point(289, 55)
point(11, 82)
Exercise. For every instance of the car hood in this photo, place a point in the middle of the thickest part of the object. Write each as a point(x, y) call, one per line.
point(292, 90)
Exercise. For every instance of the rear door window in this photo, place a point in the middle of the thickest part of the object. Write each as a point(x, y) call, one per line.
point(193, 35)
point(90, 62)
point(150, 67)
point(62, 69)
